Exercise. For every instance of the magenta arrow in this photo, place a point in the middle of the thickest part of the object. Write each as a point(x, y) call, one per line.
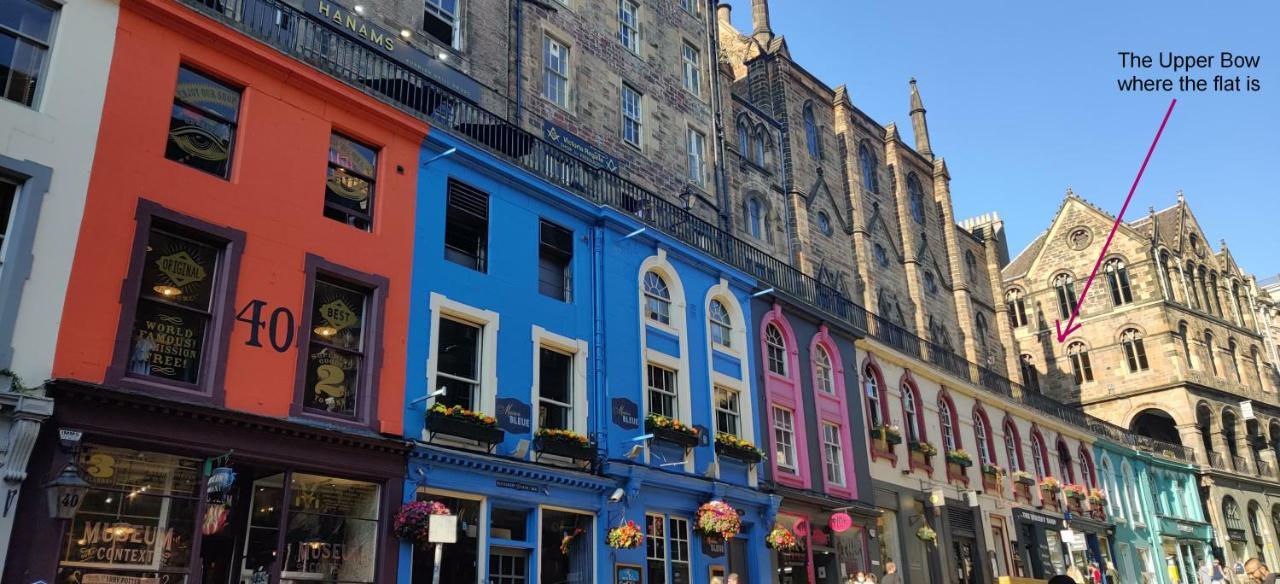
point(1071, 323)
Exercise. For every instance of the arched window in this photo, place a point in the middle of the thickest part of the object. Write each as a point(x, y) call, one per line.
point(721, 325)
point(1211, 351)
point(915, 198)
point(824, 223)
point(1030, 378)
point(971, 266)
point(1235, 301)
point(759, 143)
point(1012, 445)
point(1135, 353)
point(1204, 288)
point(930, 284)
point(1231, 513)
point(1118, 282)
point(1039, 455)
point(1217, 298)
point(875, 405)
point(868, 163)
point(657, 298)
point(1066, 291)
point(980, 329)
point(1233, 353)
point(910, 413)
point(1257, 365)
point(811, 131)
point(882, 256)
point(1065, 472)
point(982, 437)
point(1255, 524)
point(1185, 342)
point(1275, 518)
point(822, 370)
point(1081, 368)
point(755, 218)
point(1109, 485)
point(1017, 307)
point(777, 348)
point(1131, 484)
point(1189, 280)
point(947, 421)
point(744, 139)
point(1164, 274)
point(1087, 476)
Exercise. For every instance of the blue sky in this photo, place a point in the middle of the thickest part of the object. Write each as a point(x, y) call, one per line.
point(1022, 102)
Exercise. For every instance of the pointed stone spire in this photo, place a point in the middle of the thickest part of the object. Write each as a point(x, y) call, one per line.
point(918, 122)
point(760, 22)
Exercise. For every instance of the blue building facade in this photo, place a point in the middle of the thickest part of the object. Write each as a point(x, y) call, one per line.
point(584, 337)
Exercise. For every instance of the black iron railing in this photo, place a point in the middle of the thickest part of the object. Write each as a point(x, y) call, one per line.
point(314, 42)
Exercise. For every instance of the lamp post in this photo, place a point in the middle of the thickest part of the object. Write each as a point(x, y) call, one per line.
point(66, 492)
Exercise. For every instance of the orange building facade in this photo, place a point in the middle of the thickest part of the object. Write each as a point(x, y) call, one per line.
point(241, 276)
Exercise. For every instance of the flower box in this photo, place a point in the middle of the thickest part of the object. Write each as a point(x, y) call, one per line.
point(564, 443)
point(1022, 491)
point(956, 473)
point(891, 435)
point(670, 430)
point(463, 427)
point(731, 446)
point(959, 457)
point(925, 448)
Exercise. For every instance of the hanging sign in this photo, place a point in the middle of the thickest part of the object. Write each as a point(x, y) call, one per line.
point(840, 522)
point(572, 144)
point(513, 415)
point(626, 414)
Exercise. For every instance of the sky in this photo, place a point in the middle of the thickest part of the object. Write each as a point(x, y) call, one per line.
point(1023, 103)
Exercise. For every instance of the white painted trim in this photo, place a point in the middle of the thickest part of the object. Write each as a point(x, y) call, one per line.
point(482, 529)
point(577, 348)
point(739, 340)
point(488, 320)
point(593, 534)
point(679, 326)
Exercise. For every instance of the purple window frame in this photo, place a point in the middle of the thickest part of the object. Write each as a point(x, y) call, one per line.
point(213, 362)
point(375, 287)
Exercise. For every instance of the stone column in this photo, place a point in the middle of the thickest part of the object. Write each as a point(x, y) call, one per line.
point(1220, 446)
point(1190, 435)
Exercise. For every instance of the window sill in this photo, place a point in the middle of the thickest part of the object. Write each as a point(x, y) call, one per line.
point(566, 108)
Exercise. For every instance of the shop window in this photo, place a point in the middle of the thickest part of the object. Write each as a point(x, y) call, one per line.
point(555, 390)
point(440, 21)
point(834, 453)
point(337, 348)
point(202, 123)
point(136, 522)
point(331, 531)
point(349, 182)
point(664, 398)
point(26, 33)
point(721, 324)
point(784, 438)
point(175, 323)
point(728, 414)
point(667, 551)
point(776, 347)
point(458, 561)
point(509, 524)
point(466, 226)
point(566, 553)
point(555, 261)
point(657, 298)
point(458, 365)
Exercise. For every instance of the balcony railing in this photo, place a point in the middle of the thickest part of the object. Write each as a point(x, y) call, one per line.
point(314, 42)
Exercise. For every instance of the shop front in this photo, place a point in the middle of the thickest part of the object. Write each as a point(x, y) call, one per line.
point(1090, 545)
point(180, 493)
point(908, 534)
point(833, 537)
point(964, 543)
point(1188, 545)
point(1040, 545)
point(516, 521)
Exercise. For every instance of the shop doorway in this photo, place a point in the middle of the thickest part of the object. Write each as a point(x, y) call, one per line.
point(826, 567)
point(964, 554)
point(738, 560)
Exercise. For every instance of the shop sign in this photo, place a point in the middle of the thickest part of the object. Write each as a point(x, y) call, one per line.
point(391, 45)
point(514, 416)
point(840, 522)
point(626, 414)
point(1048, 521)
point(713, 547)
point(526, 487)
point(576, 146)
point(1182, 529)
point(627, 574)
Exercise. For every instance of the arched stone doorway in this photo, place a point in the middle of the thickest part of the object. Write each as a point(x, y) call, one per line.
point(1156, 424)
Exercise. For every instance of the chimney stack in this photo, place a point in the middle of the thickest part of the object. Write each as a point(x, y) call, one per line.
point(723, 12)
point(760, 21)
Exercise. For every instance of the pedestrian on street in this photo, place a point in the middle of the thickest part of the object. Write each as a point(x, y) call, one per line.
point(891, 574)
point(1258, 572)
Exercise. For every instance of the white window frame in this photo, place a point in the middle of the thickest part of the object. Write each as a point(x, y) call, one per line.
point(787, 462)
point(489, 322)
point(735, 413)
point(944, 422)
point(780, 347)
point(576, 349)
point(674, 391)
point(632, 115)
point(563, 54)
point(629, 25)
point(696, 149)
point(691, 63)
point(693, 7)
point(983, 445)
point(833, 452)
point(720, 326)
point(435, 7)
point(665, 302)
point(593, 534)
point(482, 535)
point(823, 371)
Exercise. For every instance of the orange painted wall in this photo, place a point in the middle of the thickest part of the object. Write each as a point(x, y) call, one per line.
point(275, 196)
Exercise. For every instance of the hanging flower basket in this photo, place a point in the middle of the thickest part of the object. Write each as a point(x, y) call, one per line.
point(625, 537)
point(414, 519)
point(566, 542)
point(1076, 492)
point(717, 519)
point(960, 457)
point(782, 539)
point(735, 447)
point(927, 535)
point(671, 430)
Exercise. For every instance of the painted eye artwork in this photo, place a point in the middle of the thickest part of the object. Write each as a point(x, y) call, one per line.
point(199, 143)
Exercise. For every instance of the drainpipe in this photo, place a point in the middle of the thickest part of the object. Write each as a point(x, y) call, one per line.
point(602, 407)
point(517, 8)
point(717, 114)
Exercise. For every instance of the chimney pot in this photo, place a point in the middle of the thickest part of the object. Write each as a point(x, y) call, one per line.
point(724, 11)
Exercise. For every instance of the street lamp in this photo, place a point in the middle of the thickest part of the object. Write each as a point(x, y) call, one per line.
point(66, 492)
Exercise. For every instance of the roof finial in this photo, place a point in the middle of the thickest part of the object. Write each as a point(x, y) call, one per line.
point(1070, 193)
point(1181, 198)
point(918, 122)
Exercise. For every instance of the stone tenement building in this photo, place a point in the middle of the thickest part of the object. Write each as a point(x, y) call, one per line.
point(1176, 344)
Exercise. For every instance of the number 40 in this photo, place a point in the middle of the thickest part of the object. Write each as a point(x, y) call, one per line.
point(279, 334)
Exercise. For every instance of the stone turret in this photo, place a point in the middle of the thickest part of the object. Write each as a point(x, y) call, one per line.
point(919, 124)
